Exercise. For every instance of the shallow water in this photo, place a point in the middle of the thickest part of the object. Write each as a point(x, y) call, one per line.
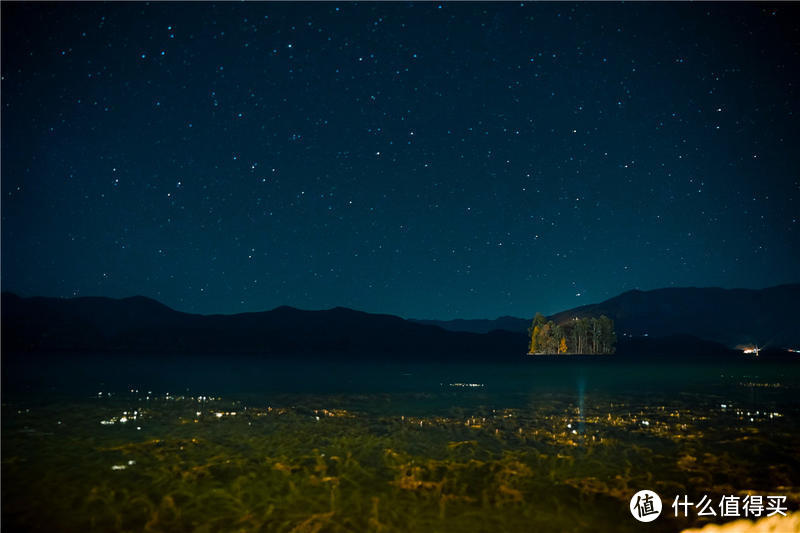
point(237, 444)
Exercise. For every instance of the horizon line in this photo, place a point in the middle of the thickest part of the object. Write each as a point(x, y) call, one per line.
point(159, 302)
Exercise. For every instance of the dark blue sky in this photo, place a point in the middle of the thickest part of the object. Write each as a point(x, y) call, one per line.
point(427, 160)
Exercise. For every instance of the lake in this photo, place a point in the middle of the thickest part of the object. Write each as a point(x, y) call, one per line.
point(241, 444)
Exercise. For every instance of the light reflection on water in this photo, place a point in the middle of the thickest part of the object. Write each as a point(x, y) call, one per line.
point(203, 445)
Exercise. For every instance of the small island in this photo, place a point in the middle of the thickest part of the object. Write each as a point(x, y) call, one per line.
point(585, 336)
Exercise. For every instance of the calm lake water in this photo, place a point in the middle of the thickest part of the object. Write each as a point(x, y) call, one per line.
point(238, 444)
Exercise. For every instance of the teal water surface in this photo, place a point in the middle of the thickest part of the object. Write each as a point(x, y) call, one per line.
point(237, 444)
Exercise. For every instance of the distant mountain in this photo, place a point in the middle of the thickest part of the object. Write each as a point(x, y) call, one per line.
point(767, 317)
point(141, 325)
point(660, 322)
point(683, 347)
point(504, 323)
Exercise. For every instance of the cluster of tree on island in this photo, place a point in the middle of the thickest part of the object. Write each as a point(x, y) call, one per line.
point(577, 336)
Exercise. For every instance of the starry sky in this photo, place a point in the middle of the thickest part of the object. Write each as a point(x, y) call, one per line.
point(452, 160)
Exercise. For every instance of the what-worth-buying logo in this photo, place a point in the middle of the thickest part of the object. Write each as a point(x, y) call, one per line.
point(646, 506)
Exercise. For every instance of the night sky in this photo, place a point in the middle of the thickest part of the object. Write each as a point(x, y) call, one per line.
point(426, 160)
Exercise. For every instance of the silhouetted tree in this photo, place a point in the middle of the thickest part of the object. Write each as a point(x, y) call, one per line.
point(608, 338)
